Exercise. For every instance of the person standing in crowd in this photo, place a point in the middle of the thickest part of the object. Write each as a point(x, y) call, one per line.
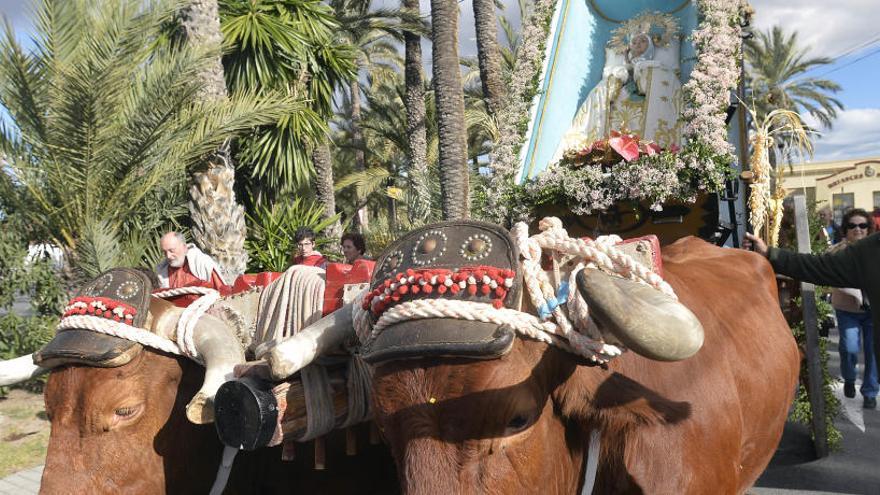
point(854, 265)
point(828, 232)
point(353, 246)
point(185, 265)
point(306, 254)
point(854, 318)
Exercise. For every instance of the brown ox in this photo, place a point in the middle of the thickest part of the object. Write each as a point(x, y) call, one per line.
point(520, 423)
point(124, 430)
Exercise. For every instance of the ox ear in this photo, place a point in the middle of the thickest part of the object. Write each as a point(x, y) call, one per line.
point(617, 403)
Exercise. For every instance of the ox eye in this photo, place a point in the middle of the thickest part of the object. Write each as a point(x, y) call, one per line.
point(125, 412)
point(518, 423)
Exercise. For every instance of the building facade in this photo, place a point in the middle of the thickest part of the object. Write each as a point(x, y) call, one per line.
point(841, 185)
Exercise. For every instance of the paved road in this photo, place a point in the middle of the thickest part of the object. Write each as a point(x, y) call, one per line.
point(854, 469)
point(794, 470)
point(25, 482)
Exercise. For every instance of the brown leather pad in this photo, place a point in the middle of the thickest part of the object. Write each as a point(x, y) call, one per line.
point(86, 347)
point(435, 337)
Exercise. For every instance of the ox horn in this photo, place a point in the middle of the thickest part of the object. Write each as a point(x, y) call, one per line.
point(642, 318)
point(299, 350)
point(221, 350)
point(17, 370)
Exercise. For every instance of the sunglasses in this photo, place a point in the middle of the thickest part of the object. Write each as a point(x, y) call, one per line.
point(863, 226)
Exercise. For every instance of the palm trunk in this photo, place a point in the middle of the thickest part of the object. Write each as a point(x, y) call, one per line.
point(450, 110)
point(218, 220)
point(360, 215)
point(416, 131)
point(324, 185)
point(488, 55)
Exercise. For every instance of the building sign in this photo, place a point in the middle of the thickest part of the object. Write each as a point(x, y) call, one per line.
point(845, 179)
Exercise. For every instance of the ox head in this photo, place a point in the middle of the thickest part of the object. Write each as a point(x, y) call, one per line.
point(117, 410)
point(467, 408)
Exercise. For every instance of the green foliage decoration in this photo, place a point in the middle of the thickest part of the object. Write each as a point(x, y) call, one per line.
point(802, 410)
point(23, 334)
point(102, 121)
point(271, 231)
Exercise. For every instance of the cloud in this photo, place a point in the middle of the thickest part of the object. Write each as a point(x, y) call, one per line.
point(823, 28)
point(856, 134)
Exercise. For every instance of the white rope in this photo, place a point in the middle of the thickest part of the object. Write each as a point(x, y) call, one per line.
point(563, 316)
point(188, 320)
point(121, 330)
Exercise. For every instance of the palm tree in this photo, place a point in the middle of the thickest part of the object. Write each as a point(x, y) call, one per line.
point(777, 77)
point(373, 33)
point(386, 148)
point(218, 220)
point(292, 46)
point(489, 55)
point(416, 129)
point(449, 96)
point(287, 46)
point(104, 121)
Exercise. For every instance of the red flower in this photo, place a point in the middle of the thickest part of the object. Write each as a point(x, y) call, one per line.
point(626, 146)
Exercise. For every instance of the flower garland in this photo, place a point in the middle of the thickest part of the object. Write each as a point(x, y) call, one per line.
point(514, 121)
point(701, 166)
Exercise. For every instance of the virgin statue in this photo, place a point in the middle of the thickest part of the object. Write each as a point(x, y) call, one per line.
point(640, 90)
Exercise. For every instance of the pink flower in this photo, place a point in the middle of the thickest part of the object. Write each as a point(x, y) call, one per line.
point(626, 146)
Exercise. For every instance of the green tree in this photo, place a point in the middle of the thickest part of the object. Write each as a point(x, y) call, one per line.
point(374, 33)
point(288, 46)
point(387, 150)
point(777, 77)
point(104, 121)
point(416, 123)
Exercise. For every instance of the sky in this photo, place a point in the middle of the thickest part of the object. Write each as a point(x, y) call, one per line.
point(845, 32)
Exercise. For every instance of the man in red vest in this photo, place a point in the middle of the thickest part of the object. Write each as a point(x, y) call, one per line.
point(306, 254)
point(185, 265)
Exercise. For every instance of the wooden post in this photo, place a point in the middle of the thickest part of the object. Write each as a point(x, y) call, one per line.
point(814, 363)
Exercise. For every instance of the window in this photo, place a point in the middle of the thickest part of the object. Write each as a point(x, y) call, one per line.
point(840, 204)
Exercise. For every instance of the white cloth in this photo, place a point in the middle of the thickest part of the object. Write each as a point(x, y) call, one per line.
point(200, 264)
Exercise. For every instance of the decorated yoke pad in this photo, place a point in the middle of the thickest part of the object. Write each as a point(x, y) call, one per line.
point(458, 261)
point(121, 295)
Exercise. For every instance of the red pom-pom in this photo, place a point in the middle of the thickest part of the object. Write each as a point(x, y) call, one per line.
point(500, 292)
point(387, 282)
point(478, 274)
point(472, 289)
point(403, 290)
point(485, 290)
point(394, 297)
point(99, 312)
point(427, 289)
point(441, 289)
point(509, 273)
point(416, 289)
point(117, 318)
point(410, 272)
point(454, 288)
point(441, 279)
point(498, 303)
